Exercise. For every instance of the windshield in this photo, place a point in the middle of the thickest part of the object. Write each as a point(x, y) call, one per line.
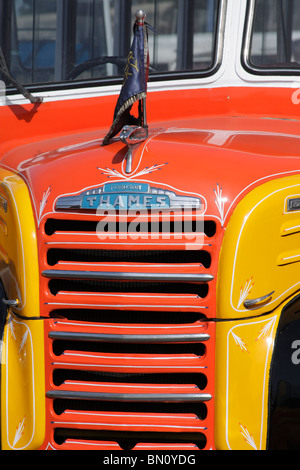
point(46, 41)
point(273, 36)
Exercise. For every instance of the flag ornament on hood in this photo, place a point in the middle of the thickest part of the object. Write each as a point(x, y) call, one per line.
point(134, 87)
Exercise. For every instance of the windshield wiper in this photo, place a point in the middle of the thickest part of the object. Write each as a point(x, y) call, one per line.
point(4, 70)
point(119, 61)
point(89, 64)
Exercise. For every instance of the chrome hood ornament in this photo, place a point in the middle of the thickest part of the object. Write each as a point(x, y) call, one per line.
point(132, 136)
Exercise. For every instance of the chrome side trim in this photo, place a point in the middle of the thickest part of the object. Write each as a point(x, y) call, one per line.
point(111, 338)
point(255, 302)
point(11, 303)
point(131, 397)
point(129, 276)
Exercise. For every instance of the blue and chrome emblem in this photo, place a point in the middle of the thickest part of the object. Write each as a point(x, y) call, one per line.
point(128, 195)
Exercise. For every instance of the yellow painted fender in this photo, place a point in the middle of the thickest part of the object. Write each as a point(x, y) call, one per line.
point(260, 256)
point(22, 352)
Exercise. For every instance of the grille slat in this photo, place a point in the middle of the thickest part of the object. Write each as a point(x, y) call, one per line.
point(128, 276)
point(84, 286)
point(145, 225)
point(130, 440)
point(198, 410)
point(141, 317)
point(137, 256)
point(122, 379)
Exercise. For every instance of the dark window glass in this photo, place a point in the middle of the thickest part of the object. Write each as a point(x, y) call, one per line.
point(43, 41)
point(275, 35)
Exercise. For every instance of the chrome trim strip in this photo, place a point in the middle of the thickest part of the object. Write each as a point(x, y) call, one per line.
point(3, 203)
point(255, 302)
point(129, 276)
point(11, 303)
point(110, 338)
point(131, 397)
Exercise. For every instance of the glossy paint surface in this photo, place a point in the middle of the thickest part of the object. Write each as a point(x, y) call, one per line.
point(263, 147)
point(230, 140)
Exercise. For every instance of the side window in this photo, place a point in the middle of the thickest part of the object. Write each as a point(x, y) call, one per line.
point(33, 36)
point(55, 41)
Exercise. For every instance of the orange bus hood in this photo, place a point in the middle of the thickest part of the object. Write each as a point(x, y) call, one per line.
point(216, 160)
